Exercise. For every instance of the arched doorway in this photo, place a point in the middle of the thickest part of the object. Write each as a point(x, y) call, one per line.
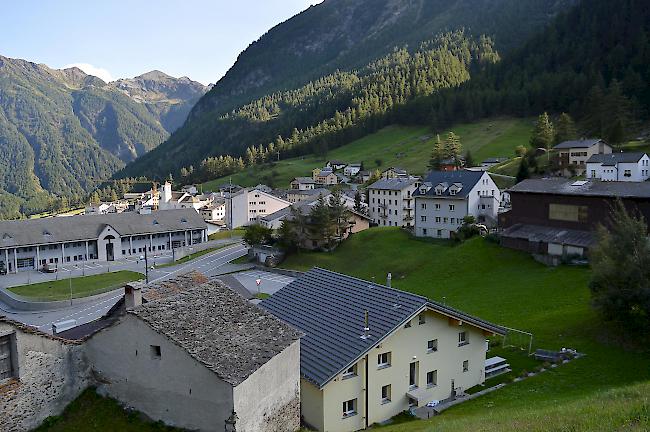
point(110, 248)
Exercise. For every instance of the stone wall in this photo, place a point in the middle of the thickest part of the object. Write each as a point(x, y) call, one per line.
point(51, 373)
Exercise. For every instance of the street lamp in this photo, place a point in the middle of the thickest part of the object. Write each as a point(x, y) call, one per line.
point(146, 266)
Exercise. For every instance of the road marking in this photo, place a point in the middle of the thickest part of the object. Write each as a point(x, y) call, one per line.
point(192, 264)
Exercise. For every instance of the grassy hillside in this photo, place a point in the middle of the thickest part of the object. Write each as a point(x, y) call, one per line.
point(407, 147)
point(511, 289)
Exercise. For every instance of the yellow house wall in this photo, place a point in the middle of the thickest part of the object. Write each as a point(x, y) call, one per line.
point(311, 404)
point(407, 345)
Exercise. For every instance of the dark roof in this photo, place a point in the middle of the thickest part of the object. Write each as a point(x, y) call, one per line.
point(615, 158)
point(586, 143)
point(307, 180)
point(330, 307)
point(537, 233)
point(560, 186)
point(88, 227)
point(495, 160)
point(219, 328)
point(392, 184)
point(467, 178)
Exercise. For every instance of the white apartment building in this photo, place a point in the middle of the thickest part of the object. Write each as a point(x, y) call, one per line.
point(247, 205)
point(446, 197)
point(352, 169)
point(627, 167)
point(30, 244)
point(390, 201)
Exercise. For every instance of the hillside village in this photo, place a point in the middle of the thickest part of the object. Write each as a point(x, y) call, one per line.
point(403, 216)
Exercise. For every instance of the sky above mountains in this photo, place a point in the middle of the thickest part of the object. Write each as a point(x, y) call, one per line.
point(116, 39)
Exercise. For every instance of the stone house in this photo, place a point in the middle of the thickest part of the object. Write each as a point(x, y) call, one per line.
point(198, 354)
point(40, 375)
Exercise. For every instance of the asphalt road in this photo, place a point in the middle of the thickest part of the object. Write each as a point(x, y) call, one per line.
point(270, 283)
point(210, 264)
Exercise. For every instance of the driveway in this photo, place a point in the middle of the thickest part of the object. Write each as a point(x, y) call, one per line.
point(211, 264)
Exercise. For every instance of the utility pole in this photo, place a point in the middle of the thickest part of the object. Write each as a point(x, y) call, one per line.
point(146, 266)
point(70, 283)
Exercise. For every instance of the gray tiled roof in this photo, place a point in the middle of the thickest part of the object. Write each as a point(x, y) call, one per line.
point(219, 328)
point(560, 186)
point(329, 308)
point(586, 143)
point(615, 158)
point(304, 180)
point(467, 178)
point(537, 233)
point(392, 184)
point(88, 227)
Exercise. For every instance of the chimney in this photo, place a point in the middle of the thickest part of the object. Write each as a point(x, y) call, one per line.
point(132, 295)
point(389, 279)
point(366, 327)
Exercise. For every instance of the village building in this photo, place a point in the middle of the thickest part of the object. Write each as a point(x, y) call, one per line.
point(625, 167)
point(445, 197)
point(391, 203)
point(490, 162)
point(571, 156)
point(371, 352)
point(197, 357)
point(248, 205)
point(336, 164)
point(352, 170)
point(394, 172)
point(303, 183)
point(324, 176)
point(295, 196)
point(33, 243)
point(558, 217)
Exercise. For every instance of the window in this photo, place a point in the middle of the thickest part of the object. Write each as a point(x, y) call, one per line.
point(385, 394)
point(350, 372)
point(439, 233)
point(432, 345)
point(462, 339)
point(7, 357)
point(452, 207)
point(383, 360)
point(465, 365)
point(627, 173)
point(424, 206)
point(438, 219)
point(424, 231)
point(569, 213)
point(445, 220)
point(155, 351)
point(432, 378)
point(413, 374)
point(421, 319)
point(350, 408)
point(423, 218)
point(437, 207)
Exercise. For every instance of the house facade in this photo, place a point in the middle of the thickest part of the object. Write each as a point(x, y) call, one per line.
point(372, 352)
point(324, 176)
point(303, 183)
point(352, 169)
point(248, 205)
point(558, 217)
point(391, 202)
point(572, 156)
point(225, 360)
point(625, 167)
point(446, 197)
point(33, 243)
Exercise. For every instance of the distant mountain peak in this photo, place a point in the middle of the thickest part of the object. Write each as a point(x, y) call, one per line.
point(155, 75)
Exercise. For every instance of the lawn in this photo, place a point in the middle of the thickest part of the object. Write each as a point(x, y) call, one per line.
point(511, 289)
point(81, 287)
point(221, 235)
point(407, 147)
point(91, 412)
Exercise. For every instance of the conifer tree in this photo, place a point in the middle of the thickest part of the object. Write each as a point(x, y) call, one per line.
point(566, 129)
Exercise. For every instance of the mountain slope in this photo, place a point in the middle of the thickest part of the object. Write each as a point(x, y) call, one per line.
point(345, 34)
point(63, 130)
point(325, 52)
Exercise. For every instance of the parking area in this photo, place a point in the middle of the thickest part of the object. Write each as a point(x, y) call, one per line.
point(270, 283)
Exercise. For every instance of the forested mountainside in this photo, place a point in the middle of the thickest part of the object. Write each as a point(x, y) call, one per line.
point(314, 51)
point(346, 34)
point(63, 130)
point(325, 113)
point(592, 62)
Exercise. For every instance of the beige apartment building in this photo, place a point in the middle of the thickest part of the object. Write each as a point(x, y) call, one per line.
point(573, 155)
point(371, 352)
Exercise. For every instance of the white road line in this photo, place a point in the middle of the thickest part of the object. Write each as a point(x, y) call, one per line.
point(192, 264)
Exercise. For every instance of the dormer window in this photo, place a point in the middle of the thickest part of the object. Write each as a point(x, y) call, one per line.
point(452, 191)
point(438, 191)
point(46, 233)
point(155, 222)
point(183, 220)
point(6, 236)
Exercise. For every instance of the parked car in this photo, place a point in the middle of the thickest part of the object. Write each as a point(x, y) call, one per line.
point(49, 268)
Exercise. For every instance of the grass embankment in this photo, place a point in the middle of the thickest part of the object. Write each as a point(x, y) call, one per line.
point(194, 256)
point(511, 289)
point(221, 235)
point(81, 287)
point(407, 147)
point(91, 412)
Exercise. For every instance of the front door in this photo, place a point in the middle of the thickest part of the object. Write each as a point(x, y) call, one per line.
point(413, 375)
point(110, 256)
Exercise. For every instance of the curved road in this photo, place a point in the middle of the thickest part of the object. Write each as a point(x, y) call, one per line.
point(211, 264)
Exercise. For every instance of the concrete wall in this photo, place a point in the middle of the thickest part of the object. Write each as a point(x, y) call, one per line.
point(406, 345)
point(269, 399)
point(174, 388)
point(51, 374)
